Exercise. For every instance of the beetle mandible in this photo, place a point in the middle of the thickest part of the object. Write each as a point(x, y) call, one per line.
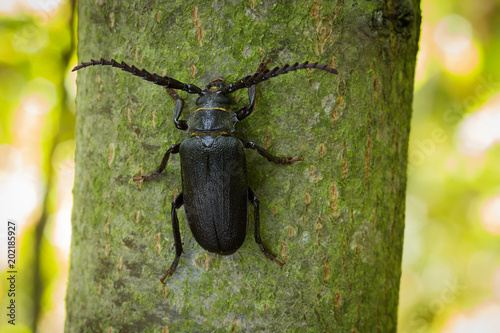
point(215, 191)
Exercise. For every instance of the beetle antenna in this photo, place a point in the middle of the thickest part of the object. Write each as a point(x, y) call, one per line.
point(266, 74)
point(163, 81)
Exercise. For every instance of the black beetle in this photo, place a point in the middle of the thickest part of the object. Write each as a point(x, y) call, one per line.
point(215, 190)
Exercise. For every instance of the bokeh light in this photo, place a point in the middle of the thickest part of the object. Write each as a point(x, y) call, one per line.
point(490, 215)
point(483, 318)
point(20, 192)
point(453, 35)
point(482, 128)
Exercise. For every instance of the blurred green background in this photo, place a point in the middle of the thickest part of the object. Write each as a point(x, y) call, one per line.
point(451, 262)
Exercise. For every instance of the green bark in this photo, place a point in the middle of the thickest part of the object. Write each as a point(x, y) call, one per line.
point(336, 218)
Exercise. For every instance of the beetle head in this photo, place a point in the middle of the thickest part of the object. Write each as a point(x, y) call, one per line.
point(215, 85)
point(214, 95)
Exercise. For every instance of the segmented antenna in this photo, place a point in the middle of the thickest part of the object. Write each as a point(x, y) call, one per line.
point(258, 77)
point(163, 81)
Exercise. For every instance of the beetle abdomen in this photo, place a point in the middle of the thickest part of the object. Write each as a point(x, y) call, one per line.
point(214, 182)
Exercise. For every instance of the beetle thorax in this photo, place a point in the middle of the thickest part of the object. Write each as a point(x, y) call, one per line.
point(212, 120)
point(213, 114)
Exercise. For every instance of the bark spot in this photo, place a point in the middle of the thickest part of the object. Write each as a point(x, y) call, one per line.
point(268, 138)
point(153, 123)
point(283, 249)
point(107, 225)
point(333, 61)
point(338, 107)
point(111, 154)
point(197, 24)
point(200, 36)
point(206, 261)
point(137, 214)
point(158, 13)
point(376, 85)
point(120, 263)
point(106, 251)
point(99, 288)
point(344, 261)
point(338, 300)
point(307, 199)
point(367, 157)
point(193, 70)
point(335, 200)
point(314, 11)
point(326, 270)
point(129, 120)
point(345, 168)
point(323, 27)
point(165, 329)
point(195, 16)
point(322, 36)
point(112, 20)
point(376, 89)
point(139, 175)
point(321, 150)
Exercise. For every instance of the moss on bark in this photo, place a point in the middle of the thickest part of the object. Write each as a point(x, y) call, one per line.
point(336, 218)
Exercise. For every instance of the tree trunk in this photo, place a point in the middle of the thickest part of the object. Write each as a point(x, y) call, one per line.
point(336, 218)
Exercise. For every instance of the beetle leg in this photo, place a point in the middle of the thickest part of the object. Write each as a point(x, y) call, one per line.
point(266, 154)
point(176, 204)
point(179, 104)
point(255, 202)
point(246, 110)
point(152, 175)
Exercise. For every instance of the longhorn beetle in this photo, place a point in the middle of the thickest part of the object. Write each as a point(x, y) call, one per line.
point(215, 190)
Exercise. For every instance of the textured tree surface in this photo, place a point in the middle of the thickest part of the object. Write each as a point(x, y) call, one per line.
point(336, 218)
